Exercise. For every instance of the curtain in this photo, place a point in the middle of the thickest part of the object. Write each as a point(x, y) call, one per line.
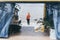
point(6, 14)
point(49, 15)
point(54, 9)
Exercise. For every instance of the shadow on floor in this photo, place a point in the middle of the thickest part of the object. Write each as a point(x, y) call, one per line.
point(28, 31)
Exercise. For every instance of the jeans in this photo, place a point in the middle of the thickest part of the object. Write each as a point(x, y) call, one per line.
point(28, 21)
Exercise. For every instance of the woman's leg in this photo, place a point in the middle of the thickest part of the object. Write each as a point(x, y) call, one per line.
point(28, 21)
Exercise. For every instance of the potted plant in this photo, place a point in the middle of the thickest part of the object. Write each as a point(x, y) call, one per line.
point(49, 27)
point(46, 26)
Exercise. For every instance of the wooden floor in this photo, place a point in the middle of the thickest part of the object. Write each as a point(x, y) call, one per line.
point(28, 33)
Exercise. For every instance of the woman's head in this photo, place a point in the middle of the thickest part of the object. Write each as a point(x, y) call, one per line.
point(28, 13)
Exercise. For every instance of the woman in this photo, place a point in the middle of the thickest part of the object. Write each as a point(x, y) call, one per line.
point(28, 18)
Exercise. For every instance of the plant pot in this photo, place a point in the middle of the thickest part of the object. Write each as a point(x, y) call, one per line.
point(14, 29)
point(47, 30)
point(52, 34)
